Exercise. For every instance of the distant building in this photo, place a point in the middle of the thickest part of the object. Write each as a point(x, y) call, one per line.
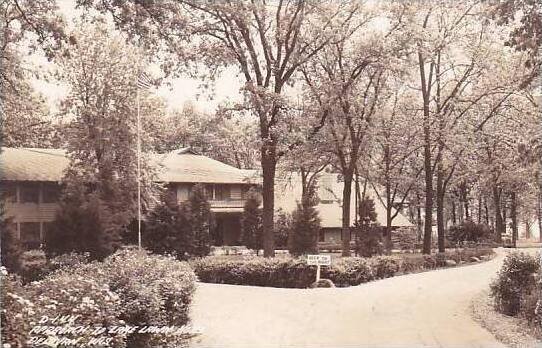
point(330, 186)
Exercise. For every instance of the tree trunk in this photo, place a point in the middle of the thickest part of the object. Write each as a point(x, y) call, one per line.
point(419, 217)
point(479, 217)
point(269, 164)
point(498, 216)
point(428, 224)
point(345, 232)
point(454, 218)
point(527, 229)
point(440, 208)
point(514, 217)
point(486, 208)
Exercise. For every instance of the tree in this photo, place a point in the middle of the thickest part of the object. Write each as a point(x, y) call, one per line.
point(200, 220)
point(82, 224)
point(368, 236)
point(34, 27)
point(167, 229)
point(267, 44)
point(251, 221)
point(346, 80)
point(100, 68)
point(305, 226)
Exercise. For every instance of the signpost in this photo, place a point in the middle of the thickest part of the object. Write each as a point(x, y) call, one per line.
point(318, 260)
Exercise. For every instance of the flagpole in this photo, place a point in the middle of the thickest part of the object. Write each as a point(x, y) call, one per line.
point(138, 171)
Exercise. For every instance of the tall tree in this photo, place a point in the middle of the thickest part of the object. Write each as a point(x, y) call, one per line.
point(100, 69)
point(267, 44)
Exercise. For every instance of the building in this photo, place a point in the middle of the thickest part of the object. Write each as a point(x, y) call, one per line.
point(30, 180)
point(330, 186)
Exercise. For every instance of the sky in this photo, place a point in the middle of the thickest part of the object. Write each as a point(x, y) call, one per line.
point(177, 92)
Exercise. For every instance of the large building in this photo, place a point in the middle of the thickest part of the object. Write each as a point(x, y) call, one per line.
point(30, 181)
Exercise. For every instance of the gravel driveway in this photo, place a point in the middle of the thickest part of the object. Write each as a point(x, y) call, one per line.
point(429, 309)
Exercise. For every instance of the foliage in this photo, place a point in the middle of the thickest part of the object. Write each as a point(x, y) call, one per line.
point(66, 293)
point(515, 281)
point(295, 273)
point(404, 238)
point(167, 229)
point(16, 311)
point(34, 265)
point(305, 226)
point(283, 228)
point(11, 248)
point(80, 225)
point(469, 231)
point(251, 222)
point(368, 234)
point(201, 221)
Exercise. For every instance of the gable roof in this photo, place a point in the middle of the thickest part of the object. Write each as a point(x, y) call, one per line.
point(182, 165)
point(288, 192)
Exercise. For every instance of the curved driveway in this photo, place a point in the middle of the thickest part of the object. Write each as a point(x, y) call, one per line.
point(429, 309)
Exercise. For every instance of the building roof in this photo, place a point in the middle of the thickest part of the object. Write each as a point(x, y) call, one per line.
point(183, 165)
point(288, 192)
point(32, 164)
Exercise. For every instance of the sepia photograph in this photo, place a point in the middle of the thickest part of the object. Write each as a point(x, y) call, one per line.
point(271, 173)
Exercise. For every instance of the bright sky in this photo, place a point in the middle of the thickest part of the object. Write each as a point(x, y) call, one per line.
point(178, 92)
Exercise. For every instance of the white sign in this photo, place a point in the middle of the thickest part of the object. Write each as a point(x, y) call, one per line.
point(319, 260)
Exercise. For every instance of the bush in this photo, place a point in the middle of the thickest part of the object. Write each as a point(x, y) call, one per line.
point(515, 281)
point(34, 266)
point(64, 293)
point(283, 227)
point(83, 225)
point(167, 229)
point(305, 226)
point(10, 248)
point(469, 231)
point(201, 221)
point(153, 290)
point(385, 266)
point(70, 260)
point(349, 271)
point(251, 222)
point(404, 238)
point(16, 311)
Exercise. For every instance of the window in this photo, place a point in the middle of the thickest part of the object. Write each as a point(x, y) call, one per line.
point(8, 192)
point(29, 193)
point(222, 192)
point(30, 234)
point(321, 236)
point(50, 193)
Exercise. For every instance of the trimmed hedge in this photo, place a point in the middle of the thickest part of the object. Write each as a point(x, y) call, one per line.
point(295, 273)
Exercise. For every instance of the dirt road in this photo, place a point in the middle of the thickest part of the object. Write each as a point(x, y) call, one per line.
point(427, 309)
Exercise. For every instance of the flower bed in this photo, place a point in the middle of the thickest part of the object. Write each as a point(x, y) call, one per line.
point(295, 273)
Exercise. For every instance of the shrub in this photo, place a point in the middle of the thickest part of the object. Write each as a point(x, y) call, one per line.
point(16, 311)
point(83, 224)
point(167, 229)
point(70, 260)
point(369, 241)
point(283, 227)
point(515, 281)
point(287, 273)
point(385, 266)
point(34, 265)
point(64, 293)
point(404, 238)
point(10, 248)
point(251, 222)
point(201, 220)
point(305, 226)
point(153, 290)
point(349, 271)
point(469, 231)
